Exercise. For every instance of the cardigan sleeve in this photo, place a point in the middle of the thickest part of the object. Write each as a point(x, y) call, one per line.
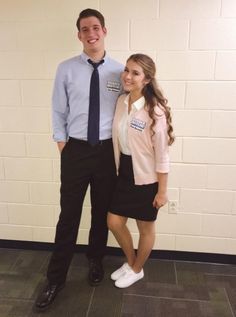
point(117, 116)
point(160, 143)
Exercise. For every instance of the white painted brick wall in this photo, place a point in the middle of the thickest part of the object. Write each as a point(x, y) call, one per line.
point(192, 123)
point(228, 8)
point(10, 93)
point(15, 192)
point(3, 214)
point(121, 34)
point(21, 65)
point(24, 119)
point(225, 68)
point(174, 91)
point(206, 201)
point(130, 9)
point(215, 34)
point(234, 204)
point(12, 145)
point(28, 169)
point(190, 8)
point(221, 177)
point(223, 124)
point(188, 175)
point(2, 176)
point(36, 93)
point(41, 145)
point(194, 46)
point(163, 34)
point(209, 151)
point(44, 193)
point(211, 95)
point(186, 65)
point(31, 215)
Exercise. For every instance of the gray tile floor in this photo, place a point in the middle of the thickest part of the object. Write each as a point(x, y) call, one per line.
point(169, 289)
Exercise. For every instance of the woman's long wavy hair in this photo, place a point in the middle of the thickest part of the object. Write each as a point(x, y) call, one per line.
point(152, 93)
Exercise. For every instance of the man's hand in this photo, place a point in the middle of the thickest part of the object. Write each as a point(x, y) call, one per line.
point(61, 145)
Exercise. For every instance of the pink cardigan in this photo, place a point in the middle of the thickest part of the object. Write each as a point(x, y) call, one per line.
point(149, 154)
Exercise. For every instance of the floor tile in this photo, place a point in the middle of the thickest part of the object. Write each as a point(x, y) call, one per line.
point(160, 271)
point(15, 308)
point(227, 283)
point(205, 267)
point(18, 286)
point(135, 306)
point(8, 258)
point(30, 261)
point(107, 300)
point(168, 289)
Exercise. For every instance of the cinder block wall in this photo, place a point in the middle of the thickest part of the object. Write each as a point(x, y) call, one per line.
point(194, 45)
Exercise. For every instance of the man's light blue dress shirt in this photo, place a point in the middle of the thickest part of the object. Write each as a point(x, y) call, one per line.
point(70, 101)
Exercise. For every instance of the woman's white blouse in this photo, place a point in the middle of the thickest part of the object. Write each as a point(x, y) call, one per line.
point(125, 121)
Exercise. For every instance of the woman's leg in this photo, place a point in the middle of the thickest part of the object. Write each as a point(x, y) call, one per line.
point(146, 242)
point(117, 225)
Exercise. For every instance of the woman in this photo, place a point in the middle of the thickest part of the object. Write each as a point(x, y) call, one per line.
point(142, 131)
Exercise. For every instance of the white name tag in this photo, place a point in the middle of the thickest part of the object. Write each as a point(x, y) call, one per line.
point(137, 124)
point(113, 86)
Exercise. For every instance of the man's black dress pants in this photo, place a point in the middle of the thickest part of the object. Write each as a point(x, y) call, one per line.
point(82, 165)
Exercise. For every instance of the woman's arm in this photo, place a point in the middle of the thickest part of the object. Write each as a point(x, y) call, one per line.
point(161, 197)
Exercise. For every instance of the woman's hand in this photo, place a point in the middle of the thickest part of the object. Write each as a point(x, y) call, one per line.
point(160, 200)
point(161, 197)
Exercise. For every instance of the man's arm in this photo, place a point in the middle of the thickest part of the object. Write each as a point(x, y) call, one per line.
point(60, 109)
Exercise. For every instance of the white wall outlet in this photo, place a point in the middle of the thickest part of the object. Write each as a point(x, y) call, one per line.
point(173, 206)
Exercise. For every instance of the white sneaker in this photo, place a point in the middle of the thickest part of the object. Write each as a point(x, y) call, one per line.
point(118, 273)
point(129, 278)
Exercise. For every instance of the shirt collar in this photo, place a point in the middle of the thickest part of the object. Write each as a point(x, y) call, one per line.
point(138, 104)
point(85, 57)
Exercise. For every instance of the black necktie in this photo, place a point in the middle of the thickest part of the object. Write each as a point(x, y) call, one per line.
point(94, 105)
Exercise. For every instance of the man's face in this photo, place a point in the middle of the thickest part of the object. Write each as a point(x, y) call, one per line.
point(92, 35)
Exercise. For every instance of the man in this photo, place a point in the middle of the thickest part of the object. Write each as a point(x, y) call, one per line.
point(84, 161)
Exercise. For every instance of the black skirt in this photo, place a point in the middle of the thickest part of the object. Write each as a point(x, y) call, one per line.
point(130, 200)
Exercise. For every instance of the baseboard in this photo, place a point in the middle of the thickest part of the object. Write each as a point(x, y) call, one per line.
point(156, 254)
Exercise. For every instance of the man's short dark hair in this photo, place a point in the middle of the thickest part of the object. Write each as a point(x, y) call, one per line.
point(90, 13)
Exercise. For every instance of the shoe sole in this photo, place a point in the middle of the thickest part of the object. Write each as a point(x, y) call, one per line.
point(38, 309)
point(130, 284)
point(94, 283)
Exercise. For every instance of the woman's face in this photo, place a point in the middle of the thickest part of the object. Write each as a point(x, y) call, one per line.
point(133, 78)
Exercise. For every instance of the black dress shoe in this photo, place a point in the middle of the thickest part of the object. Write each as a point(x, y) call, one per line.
point(96, 272)
point(47, 296)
